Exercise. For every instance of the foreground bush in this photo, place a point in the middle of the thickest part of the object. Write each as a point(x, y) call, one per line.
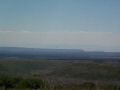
point(88, 86)
point(19, 83)
point(31, 83)
point(9, 82)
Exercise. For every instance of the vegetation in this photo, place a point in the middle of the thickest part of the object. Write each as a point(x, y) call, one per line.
point(58, 75)
point(7, 83)
point(18, 83)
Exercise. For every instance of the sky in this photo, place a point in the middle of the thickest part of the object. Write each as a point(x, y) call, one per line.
point(76, 24)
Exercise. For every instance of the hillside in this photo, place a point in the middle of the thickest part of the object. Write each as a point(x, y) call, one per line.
point(64, 54)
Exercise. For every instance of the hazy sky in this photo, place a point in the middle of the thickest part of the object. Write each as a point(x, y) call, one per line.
point(86, 24)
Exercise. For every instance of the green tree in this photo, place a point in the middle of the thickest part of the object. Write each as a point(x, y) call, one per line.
point(31, 83)
point(7, 82)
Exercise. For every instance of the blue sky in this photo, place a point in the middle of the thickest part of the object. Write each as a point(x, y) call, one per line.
point(86, 17)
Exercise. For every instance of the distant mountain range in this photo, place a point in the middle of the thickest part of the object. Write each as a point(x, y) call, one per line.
point(63, 54)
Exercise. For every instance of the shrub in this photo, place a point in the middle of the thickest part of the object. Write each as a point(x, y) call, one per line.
point(31, 83)
point(89, 86)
